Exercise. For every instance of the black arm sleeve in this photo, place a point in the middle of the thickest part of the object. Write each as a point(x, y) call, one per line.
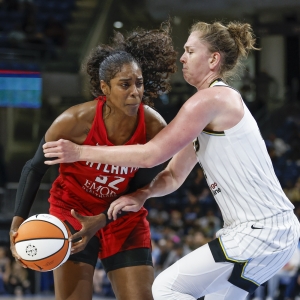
point(30, 180)
point(141, 178)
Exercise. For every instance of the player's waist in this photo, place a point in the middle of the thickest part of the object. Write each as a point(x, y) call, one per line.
point(276, 220)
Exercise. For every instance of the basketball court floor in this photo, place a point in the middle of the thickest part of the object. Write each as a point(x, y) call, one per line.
point(34, 297)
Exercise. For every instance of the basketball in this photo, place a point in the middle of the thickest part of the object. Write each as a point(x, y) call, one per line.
point(42, 242)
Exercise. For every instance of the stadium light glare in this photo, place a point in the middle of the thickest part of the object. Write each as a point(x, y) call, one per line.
point(118, 24)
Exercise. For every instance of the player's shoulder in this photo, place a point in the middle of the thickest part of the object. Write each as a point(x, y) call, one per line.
point(154, 121)
point(151, 115)
point(217, 95)
point(73, 123)
point(80, 112)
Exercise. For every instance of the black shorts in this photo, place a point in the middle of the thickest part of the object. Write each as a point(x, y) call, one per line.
point(128, 258)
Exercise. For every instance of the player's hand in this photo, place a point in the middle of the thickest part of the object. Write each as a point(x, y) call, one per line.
point(90, 225)
point(17, 221)
point(131, 202)
point(63, 150)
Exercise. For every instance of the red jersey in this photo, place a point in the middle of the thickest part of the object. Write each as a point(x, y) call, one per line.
point(89, 188)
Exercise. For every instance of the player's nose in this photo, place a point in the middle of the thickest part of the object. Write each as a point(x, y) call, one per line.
point(182, 58)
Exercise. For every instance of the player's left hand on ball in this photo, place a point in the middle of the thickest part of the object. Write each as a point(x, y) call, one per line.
point(17, 221)
point(63, 150)
point(90, 225)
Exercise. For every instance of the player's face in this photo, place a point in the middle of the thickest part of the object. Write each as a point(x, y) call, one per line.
point(127, 89)
point(195, 60)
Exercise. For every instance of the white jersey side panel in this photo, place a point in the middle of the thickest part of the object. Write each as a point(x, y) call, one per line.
point(240, 173)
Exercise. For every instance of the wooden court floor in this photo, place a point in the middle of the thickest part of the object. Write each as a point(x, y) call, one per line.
point(36, 297)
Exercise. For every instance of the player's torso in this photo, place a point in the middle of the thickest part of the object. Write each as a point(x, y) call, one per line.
point(96, 184)
point(239, 172)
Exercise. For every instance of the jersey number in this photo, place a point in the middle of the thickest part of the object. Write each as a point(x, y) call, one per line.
point(112, 184)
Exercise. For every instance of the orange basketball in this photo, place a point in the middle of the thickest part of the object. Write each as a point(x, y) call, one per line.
point(42, 242)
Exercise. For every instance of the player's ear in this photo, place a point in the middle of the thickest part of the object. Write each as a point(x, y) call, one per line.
point(214, 60)
point(104, 87)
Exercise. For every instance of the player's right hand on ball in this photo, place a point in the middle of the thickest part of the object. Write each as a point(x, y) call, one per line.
point(17, 221)
point(90, 225)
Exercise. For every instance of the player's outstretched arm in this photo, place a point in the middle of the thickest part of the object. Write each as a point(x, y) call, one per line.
point(192, 118)
point(164, 183)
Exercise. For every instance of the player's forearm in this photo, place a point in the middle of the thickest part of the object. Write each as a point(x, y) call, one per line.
point(163, 184)
point(16, 222)
point(130, 156)
point(170, 179)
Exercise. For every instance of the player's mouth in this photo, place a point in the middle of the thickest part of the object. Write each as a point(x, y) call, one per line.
point(133, 105)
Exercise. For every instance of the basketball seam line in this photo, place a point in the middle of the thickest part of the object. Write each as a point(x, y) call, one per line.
point(34, 220)
point(43, 238)
point(46, 256)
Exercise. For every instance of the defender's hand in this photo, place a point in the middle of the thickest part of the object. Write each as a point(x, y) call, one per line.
point(63, 150)
point(131, 202)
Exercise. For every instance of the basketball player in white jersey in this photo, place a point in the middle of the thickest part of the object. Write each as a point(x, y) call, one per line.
point(215, 128)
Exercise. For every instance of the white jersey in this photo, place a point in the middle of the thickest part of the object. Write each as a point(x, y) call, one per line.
point(261, 231)
point(239, 172)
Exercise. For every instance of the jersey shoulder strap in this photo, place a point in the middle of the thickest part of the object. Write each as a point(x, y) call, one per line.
point(218, 82)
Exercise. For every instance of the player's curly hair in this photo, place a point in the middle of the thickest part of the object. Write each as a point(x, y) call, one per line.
point(152, 50)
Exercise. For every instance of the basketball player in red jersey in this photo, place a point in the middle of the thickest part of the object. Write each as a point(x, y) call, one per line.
point(123, 76)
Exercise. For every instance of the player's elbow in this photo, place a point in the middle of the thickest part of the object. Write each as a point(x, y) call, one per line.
point(148, 163)
point(150, 157)
point(151, 161)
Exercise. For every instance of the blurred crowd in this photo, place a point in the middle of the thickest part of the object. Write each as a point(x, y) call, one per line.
point(34, 25)
point(14, 278)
